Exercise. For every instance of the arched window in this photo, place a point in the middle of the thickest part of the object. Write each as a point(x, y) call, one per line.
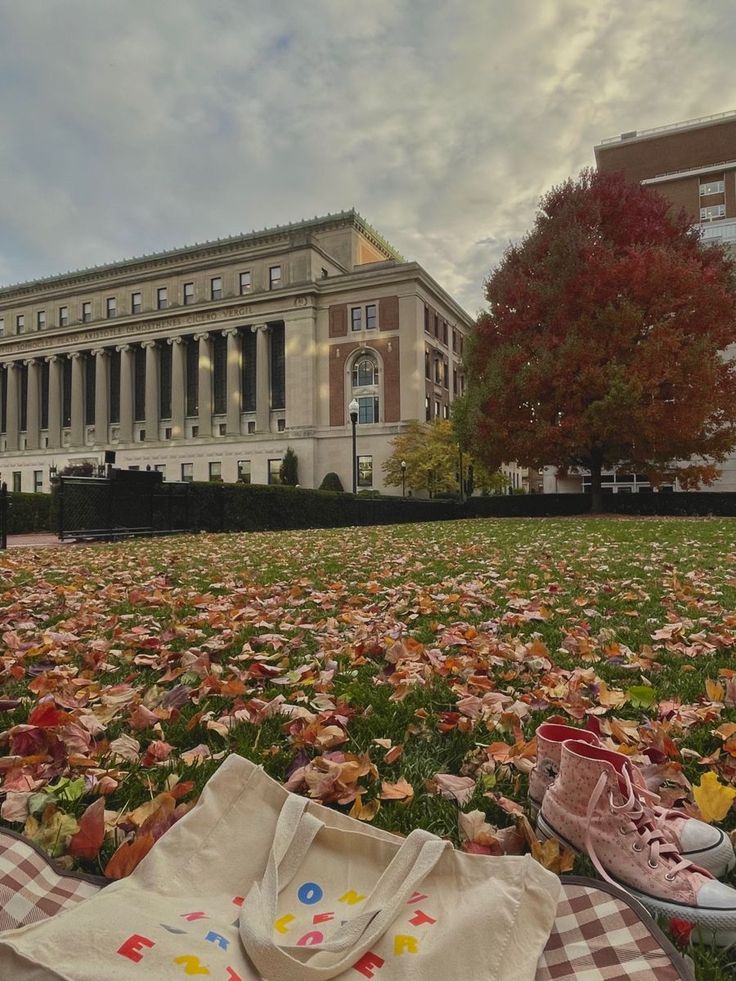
point(365, 372)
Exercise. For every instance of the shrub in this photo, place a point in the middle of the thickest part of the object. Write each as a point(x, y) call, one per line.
point(289, 471)
point(331, 482)
point(29, 513)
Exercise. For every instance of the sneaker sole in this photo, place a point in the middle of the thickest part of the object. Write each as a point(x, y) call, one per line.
point(716, 924)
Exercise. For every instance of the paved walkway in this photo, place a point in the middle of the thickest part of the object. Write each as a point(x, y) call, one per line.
point(40, 540)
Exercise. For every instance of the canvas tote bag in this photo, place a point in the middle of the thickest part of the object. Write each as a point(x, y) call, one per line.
point(255, 882)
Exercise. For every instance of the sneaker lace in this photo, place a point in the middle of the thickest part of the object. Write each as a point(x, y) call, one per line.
point(636, 818)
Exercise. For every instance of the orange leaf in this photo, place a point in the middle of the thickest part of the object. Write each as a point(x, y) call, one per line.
point(87, 842)
point(128, 856)
point(714, 690)
point(401, 790)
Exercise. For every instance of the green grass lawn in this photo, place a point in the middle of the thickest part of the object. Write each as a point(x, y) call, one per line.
point(358, 664)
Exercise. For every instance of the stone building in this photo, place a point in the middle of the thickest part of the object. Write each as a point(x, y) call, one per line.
point(209, 361)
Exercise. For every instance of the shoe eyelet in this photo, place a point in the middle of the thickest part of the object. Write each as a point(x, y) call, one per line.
point(622, 830)
point(635, 847)
point(669, 876)
point(653, 865)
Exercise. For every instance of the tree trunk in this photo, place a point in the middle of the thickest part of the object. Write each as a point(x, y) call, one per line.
point(596, 493)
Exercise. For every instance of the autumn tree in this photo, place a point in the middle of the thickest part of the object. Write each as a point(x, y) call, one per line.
point(604, 342)
point(289, 469)
point(432, 455)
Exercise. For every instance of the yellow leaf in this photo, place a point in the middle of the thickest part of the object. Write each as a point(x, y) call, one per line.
point(713, 798)
point(364, 812)
point(714, 690)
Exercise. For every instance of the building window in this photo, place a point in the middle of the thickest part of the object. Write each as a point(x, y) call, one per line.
point(365, 372)
point(281, 425)
point(445, 411)
point(454, 380)
point(426, 319)
point(63, 316)
point(86, 312)
point(365, 471)
point(2, 326)
point(325, 274)
point(37, 481)
point(219, 374)
point(222, 428)
point(251, 427)
point(188, 294)
point(244, 281)
point(445, 375)
point(274, 277)
point(187, 472)
point(277, 344)
point(168, 432)
point(161, 468)
point(368, 409)
point(164, 387)
point(243, 471)
point(436, 408)
point(112, 307)
point(136, 302)
point(712, 211)
point(438, 371)
point(162, 297)
point(20, 323)
point(216, 470)
point(216, 288)
point(712, 187)
point(444, 332)
point(195, 431)
point(371, 317)
point(428, 408)
point(274, 471)
point(192, 377)
point(16, 481)
point(41, 320)
point(427, 364)
point(139, 383)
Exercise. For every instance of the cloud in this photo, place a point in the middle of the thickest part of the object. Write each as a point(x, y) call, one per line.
point(131, 127)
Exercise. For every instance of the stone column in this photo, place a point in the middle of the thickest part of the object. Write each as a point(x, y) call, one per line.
point(205, 384)
point(54, 401)
point(234, 378)
point(12, 415)
point(178, 386)
point(263, 382)
point(77, 428)
point(126, 393)
point(102, 396)
point(33, 406)
point(300, 341)
point(152, 390)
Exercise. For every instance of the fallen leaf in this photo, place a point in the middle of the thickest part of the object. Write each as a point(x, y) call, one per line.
point(713, 798)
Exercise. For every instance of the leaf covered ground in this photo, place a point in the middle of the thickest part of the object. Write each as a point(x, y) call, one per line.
point(396, 673)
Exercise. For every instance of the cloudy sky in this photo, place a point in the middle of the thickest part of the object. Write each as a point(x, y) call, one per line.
point(129, 126)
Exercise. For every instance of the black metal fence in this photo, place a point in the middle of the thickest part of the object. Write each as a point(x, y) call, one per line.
point(126, 503)
point(3, 516)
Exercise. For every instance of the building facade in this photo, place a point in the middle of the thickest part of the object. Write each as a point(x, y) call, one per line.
point(693, 165)
point(208, 362)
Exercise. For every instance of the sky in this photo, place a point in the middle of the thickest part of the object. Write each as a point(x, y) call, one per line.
point(132, 126)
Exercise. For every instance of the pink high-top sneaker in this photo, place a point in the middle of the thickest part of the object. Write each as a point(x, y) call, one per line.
point(695, 840)
point(593, 808)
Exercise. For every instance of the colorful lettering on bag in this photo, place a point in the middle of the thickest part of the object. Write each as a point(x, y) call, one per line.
point(217, 938)
point(194, 916)
point(131, 947)
point(310, 939)
point(233, 975)
point(404, 945)
point(351, 897)
point(416, 898)
point(322, 917)
point(421, 917)
point(309, 893)
point(192, 965)
point(367, 963)
point(282, 924)
point(238, 901)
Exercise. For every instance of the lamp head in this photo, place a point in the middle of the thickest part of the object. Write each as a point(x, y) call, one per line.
point(353, 410)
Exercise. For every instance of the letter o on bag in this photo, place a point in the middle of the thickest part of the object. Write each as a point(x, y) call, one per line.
point(309, 893)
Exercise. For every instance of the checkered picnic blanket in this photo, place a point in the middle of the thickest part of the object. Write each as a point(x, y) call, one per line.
point(599, 934)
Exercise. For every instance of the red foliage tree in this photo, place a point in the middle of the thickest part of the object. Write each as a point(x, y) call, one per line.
point(604, 342)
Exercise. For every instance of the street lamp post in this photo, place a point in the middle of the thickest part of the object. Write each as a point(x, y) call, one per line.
point(403, 478)
point(353, 410)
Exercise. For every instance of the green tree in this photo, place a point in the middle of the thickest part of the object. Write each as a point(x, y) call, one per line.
point(331, 482)
point(602, 346)
point(289, 471)
point(432, 455)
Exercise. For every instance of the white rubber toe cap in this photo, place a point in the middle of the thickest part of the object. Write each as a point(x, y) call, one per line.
point(707, 847)
point(716, 895)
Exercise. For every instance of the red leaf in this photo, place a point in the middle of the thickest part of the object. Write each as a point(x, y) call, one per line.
point(87, 842)
point(128, 856)
point(46, 716)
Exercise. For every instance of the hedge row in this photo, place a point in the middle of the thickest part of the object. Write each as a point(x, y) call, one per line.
point(29, 513)
point(255, 507)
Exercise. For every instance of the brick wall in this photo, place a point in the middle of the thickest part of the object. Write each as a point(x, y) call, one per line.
point(388, 351)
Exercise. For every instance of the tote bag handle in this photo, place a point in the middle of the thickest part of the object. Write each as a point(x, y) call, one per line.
point(295, 832)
